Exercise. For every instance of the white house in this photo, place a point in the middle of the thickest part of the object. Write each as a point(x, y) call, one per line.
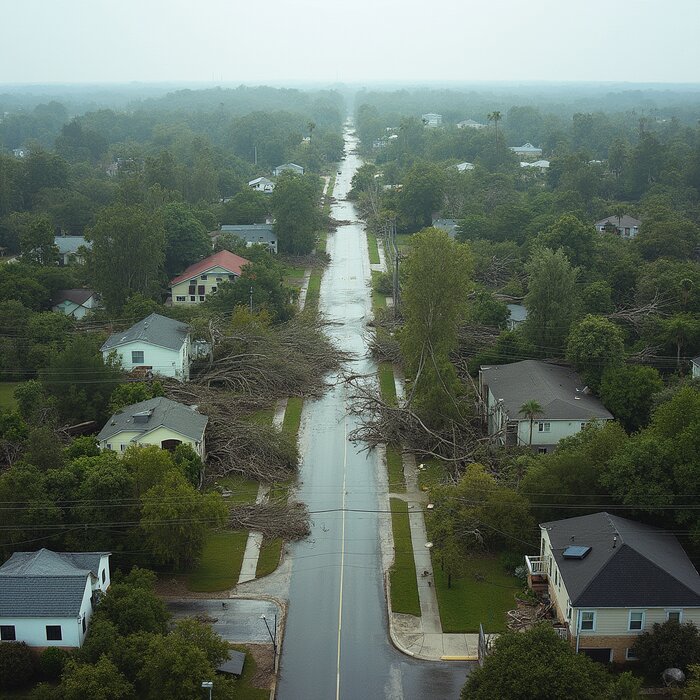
point(463, 167)
point(696, 367)
point(198, 281)
point(156, 344)
point(262, 184)
point(611, 579)
point(431, 119)
point(526, 149)
point(566, 404)
point(47, 598)
point(291, 167)
point(157, 421)
point(20, 152)
point(541, 165)
point(625, 226)
point(449, 226)
point(251, 234)
point(75, 303)
point(69, 248)
point(470, 124)
point(517, 315)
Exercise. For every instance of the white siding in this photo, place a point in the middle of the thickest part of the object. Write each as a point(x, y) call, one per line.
point(163, 361)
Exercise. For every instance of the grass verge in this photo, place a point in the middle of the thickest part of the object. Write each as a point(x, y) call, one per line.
point(242, 490)
point(402, 575)
point(244, 688)
point(394, 466)
point(378, 299)
point(220, 565)
point(432, 474)
point(482, 595)
point(270, 553)
point(386, 382)
point(292, 416)
point(373, 249)
point(313, 291)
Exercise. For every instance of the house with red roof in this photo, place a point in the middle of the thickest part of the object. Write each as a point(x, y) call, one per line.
point(198, 281)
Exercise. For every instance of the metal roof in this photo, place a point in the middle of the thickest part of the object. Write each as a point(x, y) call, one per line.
point(155, 330)
point(629, 564)
point(159, 412)
point(558, 390)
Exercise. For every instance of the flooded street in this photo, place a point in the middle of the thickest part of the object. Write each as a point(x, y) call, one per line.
point(336, 642)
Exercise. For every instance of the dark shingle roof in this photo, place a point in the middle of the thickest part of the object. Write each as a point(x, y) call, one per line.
point(625, 221)
point(559, 390)
point(645, 566)
point(44, 562)
point(41, 596)
point(154, 329)
point(163, 412)
point(251, 233)
point(77, 296)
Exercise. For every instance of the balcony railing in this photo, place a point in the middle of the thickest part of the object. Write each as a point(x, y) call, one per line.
point(536, 566)
point(563, 632)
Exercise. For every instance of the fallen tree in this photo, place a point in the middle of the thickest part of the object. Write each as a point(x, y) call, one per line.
point(289, 521)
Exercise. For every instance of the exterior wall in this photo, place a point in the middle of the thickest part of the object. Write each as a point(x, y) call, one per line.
point(121, 441)
point(557, 590)
point(100, 584)
point(163, 361)
point(696, 370)
point(32, 630)
point(203, 287)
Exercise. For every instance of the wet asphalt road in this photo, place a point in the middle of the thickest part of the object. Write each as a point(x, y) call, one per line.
point(336, 642)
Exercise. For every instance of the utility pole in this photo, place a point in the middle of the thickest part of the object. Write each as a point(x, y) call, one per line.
point(255, 154)
point(251, 301)
point(395, 280)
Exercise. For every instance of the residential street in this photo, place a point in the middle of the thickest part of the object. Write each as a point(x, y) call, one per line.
point(336, 642)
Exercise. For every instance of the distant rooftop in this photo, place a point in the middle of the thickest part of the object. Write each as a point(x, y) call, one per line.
point(154, 329)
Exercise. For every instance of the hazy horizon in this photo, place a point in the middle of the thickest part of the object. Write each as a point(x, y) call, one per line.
point(92, 42)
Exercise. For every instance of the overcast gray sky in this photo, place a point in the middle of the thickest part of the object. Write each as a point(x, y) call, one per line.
point(360, 40)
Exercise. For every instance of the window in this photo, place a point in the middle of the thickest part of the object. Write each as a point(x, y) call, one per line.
point(53, 633)
point(629, 655)
point(181, 298)
point(583, 425)
point(219, 279)
point(213, 289)
point(674, 615)
point(543, 427)
point(193, 299)
point(201, 289)
point(109, 445)
point(122, 447)
point(541, 450)
point(7, 633)
point(104, 576)
point(588, 620)
point(84, 624)
point(636, 621)
point(203, 277)
point(192, 289)
point(137, 357)
point(202, 298)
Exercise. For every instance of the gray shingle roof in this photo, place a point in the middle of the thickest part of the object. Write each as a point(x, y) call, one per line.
point(624, 222)
point(645, 567)
point(155, 330)
point(41, 596)
point(163, 412)
point(77, 296)
point(251, 233)
point(70, 244)
point(557, 389)
point(44, 562)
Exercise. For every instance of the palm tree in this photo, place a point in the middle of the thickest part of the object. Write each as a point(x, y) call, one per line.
point(495, 117)
point(311, 126)
point(530, 409)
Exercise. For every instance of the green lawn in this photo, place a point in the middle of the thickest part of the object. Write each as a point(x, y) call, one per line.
point(292, 416)
point(394, 466)
point(432, 475)
point(220, 564)
point(313, 291)
point(404, 586)
point(245, 690)
point(386, 382)
point(471, 601)
point(7, 394)
point(378, 299)
point(373, 249)
point(243, 490)
point(270, 554)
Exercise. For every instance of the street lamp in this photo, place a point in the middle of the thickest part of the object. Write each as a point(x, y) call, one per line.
point(273, 637)
point(208, 684)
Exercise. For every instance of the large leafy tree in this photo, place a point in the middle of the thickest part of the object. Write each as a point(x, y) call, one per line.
point(668, 645)
point(550, 300)
point(101, 681)
point(421, 194)
point(570, 234)
point(433, 306)
point(536, 663)
point(627, 392)
point(37, 241)
point(295, 205)
point(594, 344)
point(128, 250)
point(186, 239)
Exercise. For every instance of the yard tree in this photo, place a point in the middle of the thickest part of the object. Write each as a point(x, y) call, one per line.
point(551, 299)
point(175, 519)
point(128, 251)
point(682, 331)
point(594, 344)
point(433, 306)
point(627, 392)
point(668, 645)
point(133, 609)
point(295, 206)
point(101, 681)
point(537, 663)
point(531, 409)
point(37, 241)
point(571, 235)
point(186, 239)
point(421, 194)
point(246, 207)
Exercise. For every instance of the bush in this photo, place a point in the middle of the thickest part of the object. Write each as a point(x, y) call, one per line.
point(383, 284)
point(51, 663)
point(17, 665)
point(668, 645)
point(510, 561)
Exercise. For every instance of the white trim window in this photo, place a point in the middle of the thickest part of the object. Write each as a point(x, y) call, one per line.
point(636, 621)
point(543, 426)
point(674, 615)
point(137, 357)
point(629, 655)
point(588, 620)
